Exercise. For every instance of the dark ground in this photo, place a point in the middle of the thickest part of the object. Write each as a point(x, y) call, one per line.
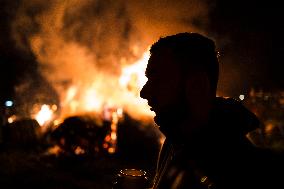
point(33, 170)
point(25, 163)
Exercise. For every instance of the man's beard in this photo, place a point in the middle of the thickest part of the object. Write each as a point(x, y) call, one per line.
point(172, 119)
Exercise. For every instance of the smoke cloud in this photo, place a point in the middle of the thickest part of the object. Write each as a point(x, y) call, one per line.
point(83, 41)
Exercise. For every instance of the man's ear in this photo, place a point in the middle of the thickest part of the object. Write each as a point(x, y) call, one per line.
point(198, 85)
point(199, 96)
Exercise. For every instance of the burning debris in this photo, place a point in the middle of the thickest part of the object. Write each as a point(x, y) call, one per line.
point(97, 100)
point(79, 135)
point(94, 53)
point(45, 114)
point(92, 56)
point(96, 131)
point(102, 134)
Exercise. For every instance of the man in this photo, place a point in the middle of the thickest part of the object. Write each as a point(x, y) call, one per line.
point(206, 136)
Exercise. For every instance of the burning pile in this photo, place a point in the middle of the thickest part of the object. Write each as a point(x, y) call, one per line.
point(87, 119)
point(76, 135)
point(93, 54)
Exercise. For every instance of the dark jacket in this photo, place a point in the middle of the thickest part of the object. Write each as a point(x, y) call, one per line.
point(220, 155)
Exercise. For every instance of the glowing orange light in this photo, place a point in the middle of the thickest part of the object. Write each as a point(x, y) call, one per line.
point(44, 115)
point(79, 150)
point(54, 150)
point(120, 92)
point(113, 136)
point(111, 150)
point(91, 101)
point(269, 128)
point(107, 138)
point(12, 118)
point(105, 145)
point(133, 76)
point(72, 91)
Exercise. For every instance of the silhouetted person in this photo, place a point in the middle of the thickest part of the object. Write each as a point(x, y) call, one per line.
point(206, 142)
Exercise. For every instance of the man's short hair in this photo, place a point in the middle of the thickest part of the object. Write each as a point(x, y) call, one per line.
point(192, 51)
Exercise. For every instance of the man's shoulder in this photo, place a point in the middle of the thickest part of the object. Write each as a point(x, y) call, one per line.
point(234, 114)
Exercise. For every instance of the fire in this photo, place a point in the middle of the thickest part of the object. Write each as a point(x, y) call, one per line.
point(132, 80)
point(104, 91)
point(109, 96)
point(133, 76)
point(45, 114)
point(114, 115)
point(12, 118)
point(91, 101)
point(71, 93)
point(55, 150)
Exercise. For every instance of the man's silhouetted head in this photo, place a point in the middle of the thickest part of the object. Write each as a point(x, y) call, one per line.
point(182, 77)
point(192, 51)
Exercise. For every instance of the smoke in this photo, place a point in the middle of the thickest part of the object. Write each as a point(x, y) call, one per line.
point(79, 42)
point(160, 18)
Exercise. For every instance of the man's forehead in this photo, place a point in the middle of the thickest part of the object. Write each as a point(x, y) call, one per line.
point(161, 58)
point(160, 61)
point(162, 52)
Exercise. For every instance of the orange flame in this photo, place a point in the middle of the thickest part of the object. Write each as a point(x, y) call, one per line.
point(133, 76)
point(45, 114)
point(110, 91)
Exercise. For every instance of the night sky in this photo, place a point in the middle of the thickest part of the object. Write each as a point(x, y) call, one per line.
point(255, 48)
point(248, 34)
